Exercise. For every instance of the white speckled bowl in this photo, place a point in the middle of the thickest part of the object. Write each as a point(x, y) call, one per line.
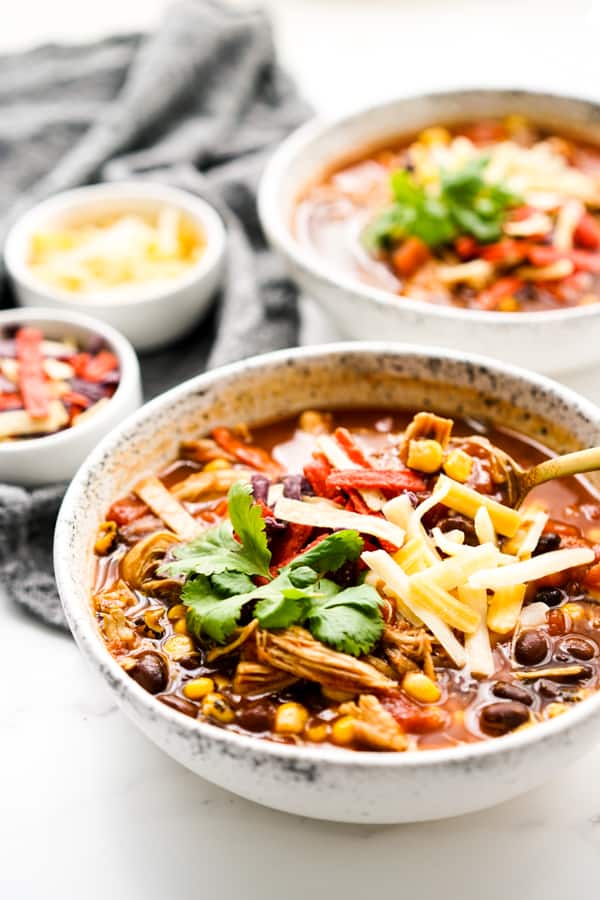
point(551, 342)
point(325, 782)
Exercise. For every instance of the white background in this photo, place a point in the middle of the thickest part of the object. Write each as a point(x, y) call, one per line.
point(89, 809)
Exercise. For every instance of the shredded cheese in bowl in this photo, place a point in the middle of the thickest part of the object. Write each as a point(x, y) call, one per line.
point(121, 252)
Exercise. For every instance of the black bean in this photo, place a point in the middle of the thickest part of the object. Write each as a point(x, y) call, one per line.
point(294, 486)
point(550, 596)
point(548, 689)
point(500, 718)
point(256, 716)
point(531, 647)
point(459, 523)
point(579, 648)
point(547, 542)
point(150, 672)
point(180, 704)
point(260, 487)
point(510, 691)
point(193, 661)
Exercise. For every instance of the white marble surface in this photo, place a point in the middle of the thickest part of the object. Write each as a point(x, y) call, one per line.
point(89, 809)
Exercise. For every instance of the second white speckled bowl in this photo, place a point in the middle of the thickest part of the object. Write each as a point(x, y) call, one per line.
point(325, 782)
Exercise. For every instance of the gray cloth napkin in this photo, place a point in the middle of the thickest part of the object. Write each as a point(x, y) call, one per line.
point(198, 105)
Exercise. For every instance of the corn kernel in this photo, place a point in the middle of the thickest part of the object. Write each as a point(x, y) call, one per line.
point(574, 610)
point(317, 733)
point(215, 706)
point(107, 535)
point(435, 135)
point(290, 718)
point(221, 681)
point(180, 627)
point(515, 122)
point(198, 688)
point(458, 465)
point(509, 304)
point(555, 709)
point(216, 464)
point(177, 612)
point(179, 645)
point(425, 455)
point(421, 687)
point(342, 731)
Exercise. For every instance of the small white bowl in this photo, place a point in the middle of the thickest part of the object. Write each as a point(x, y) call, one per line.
point(56, 457)
point(554, 341)
point(323, 781)
point(149, 316)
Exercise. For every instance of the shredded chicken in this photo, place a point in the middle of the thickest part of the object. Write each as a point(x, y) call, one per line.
point(201, 484)
point(253, 677)
point(483, 448)
point(139, 565)
point(117, 631)
point(120, 596)
point(426, 426)
point(374, 726)
point(294, 650)
point(408, 648)
point(203, 450)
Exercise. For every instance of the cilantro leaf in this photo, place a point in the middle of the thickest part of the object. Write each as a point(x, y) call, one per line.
point(249, 525)
point(349, 621)
point(216, 550)
point(332, 552)
point(463, 204)
point(208, 612)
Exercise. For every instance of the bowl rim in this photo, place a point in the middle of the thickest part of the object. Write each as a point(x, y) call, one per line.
point(310, 262)
point(201, 211)
point(128, 367)
point(86, 634)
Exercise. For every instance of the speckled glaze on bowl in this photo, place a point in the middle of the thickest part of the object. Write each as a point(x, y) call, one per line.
point(554, 341)
point(325, 782)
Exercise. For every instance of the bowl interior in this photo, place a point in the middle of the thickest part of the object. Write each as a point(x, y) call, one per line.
point(282, 384)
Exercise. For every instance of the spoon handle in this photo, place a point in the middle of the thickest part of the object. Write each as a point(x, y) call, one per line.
point(569, 464)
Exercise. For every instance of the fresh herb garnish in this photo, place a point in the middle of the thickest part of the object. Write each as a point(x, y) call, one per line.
point(218, 586)
point(464, 204)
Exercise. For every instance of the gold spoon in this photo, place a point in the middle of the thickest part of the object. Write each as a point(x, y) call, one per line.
point(520, 481)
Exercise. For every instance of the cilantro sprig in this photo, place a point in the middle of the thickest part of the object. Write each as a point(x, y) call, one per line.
point(464, 204)
point(219, 564)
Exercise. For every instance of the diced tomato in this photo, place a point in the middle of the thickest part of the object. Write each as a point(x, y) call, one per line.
point(79, 362)
point(376, 479)
point(541, 255)
point(127, 510)
point(485, 132)
point(587, 233)
point(466, 247)
point(520, 213)
point(349, 443)
point(255, 457)
point(504, 287)
point(507, 251)
point(409, 257)
point(414, 718)
point(32, 380)
point(10, 401)
point(75, 398)
point(100, 365)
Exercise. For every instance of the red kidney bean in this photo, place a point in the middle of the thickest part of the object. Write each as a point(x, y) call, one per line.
point(500, 718)
point(256, 717)
point(531, 647)
point(150, 671)
point(180, 704)
point(579, 648)
point(510, 691)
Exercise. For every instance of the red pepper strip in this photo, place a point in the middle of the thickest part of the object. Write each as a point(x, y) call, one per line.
point(127, 510)
point(349, 444)
point(100, 365)
point(376, 479)
point(77, 399)
point(505, 251)
point(10, 401)
point(32, 381)
point(504, 287)
point(316, 472)
point(79, 363)
point(520, 213)
point(292, 543)
point(586, 261)
point(544, 256)
point(356, 502)
point(255, 457)
point(587, 233)
point(466, 247)
point(581, 259)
